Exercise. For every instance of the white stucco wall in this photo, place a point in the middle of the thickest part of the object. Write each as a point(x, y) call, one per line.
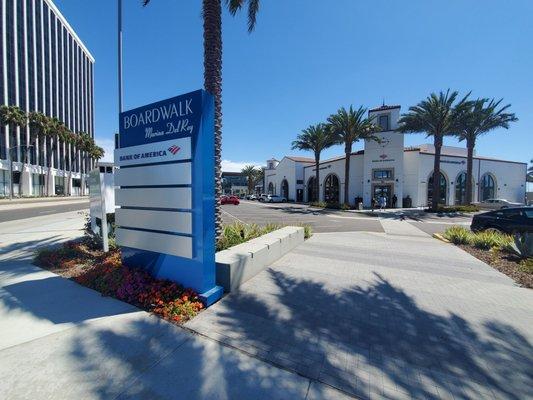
point(287, 169)
point(386, 154)
point(509, 177)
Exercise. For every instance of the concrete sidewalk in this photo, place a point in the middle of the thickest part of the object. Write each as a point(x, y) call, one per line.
point(59, 340)
point(394, 315)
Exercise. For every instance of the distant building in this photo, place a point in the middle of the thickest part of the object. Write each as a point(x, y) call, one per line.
point(234, 183)
point(44, 67)
point(389, 168)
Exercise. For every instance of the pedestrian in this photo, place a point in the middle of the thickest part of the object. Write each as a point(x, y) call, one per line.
point(373, 203)
point(382, 202)
point(394, 201)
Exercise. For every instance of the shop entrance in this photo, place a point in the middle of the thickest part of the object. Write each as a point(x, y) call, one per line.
point(383, 190)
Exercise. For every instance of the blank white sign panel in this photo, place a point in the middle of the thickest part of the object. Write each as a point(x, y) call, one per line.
point(154, 197)
point(169, 221)
point(166, 174)
point(180, 246)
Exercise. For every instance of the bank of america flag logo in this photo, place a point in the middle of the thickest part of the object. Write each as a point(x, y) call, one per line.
point(174, 149)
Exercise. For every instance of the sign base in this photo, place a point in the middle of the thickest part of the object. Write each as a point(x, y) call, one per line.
point(212, 295)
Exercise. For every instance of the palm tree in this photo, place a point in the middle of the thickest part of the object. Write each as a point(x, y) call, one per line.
point(437, 116)
point(479, 117)
point(54, 133)
point(212, 22)
point(348, 127)
point(14, 117)
point(250, 172)
point(315, 138)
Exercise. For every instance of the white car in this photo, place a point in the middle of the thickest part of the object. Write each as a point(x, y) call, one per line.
point(274, 198)
point(496, 204)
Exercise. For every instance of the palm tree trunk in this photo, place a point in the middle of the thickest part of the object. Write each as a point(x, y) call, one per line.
point(212, 13)
point(436, 174)
point(317, 177)
point(348, 151)
point(470, 143)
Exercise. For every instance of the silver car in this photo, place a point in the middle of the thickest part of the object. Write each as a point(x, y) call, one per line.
point(496, 204)
point(274, 198)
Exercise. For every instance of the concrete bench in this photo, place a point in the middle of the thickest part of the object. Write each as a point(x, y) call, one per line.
point(240, 263)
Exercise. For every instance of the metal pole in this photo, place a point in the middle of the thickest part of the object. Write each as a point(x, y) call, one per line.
point(10, 173)
point(119, 38)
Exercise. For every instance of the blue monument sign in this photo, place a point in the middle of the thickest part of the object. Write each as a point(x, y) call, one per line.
point(165, 190)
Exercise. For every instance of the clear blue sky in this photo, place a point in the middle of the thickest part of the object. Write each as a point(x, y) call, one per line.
point(307, 58)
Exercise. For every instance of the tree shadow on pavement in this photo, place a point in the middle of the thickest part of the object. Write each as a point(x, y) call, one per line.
point(371, 339)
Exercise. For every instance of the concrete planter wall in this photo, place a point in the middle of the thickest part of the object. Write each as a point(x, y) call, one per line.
point(240, 263)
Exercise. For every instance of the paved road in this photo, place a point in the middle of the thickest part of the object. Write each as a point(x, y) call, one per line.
point(336, 221)
point(395, 315)
point(297, 214)
point(30, 212)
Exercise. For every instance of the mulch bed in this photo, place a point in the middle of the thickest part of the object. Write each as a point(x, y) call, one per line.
point(507, 264)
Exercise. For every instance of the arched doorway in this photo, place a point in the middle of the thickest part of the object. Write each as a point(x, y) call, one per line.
point(443, 189)
point(460, 189)
point(312, 195)
point(331, 189)
point(285, 189)
point(487, 187)
point(270, 188)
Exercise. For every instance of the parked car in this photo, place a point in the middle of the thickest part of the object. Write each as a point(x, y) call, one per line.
point(508, 220)
point(263, 197)
point(274, 198)
point(496, 204)
point(251, 197)
point(230, 200)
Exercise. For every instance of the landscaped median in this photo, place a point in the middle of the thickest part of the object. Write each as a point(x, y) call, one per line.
point(84, 262)
point(503, 252)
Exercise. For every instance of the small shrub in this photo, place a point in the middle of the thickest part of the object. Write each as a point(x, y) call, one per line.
point(458, 235)
point(319, 204)
point(455, 209)
point(308, 231)
point(237, 233)
point(526, 266)
point(486, 240)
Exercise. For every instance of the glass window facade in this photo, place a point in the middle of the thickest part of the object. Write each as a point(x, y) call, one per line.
point(43, 67)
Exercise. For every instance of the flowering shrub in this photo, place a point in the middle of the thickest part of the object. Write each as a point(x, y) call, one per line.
point(105, 273)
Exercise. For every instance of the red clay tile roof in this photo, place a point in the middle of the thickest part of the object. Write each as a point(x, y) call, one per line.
point(383, 108)
point(300, 159)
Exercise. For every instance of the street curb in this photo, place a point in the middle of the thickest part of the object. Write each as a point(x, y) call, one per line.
point(441, 238)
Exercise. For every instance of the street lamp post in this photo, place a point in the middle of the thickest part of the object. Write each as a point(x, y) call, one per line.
point(11, 167)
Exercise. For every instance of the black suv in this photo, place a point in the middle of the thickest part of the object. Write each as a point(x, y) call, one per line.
point(508, 220)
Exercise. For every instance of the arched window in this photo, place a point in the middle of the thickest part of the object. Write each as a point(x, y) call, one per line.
point(460, 189)
point(331, 189)
point(443, 189)
point(312, 194)
point(270, 188)
point(285, 189)
point(487, 187)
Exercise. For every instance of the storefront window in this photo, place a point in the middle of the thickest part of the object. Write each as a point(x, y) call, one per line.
point(488, 187)
point(378, 174)
point(59, 185)
point(38, 185)
point(4, 183)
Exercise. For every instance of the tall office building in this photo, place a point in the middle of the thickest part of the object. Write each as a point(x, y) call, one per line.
point(45, 67)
